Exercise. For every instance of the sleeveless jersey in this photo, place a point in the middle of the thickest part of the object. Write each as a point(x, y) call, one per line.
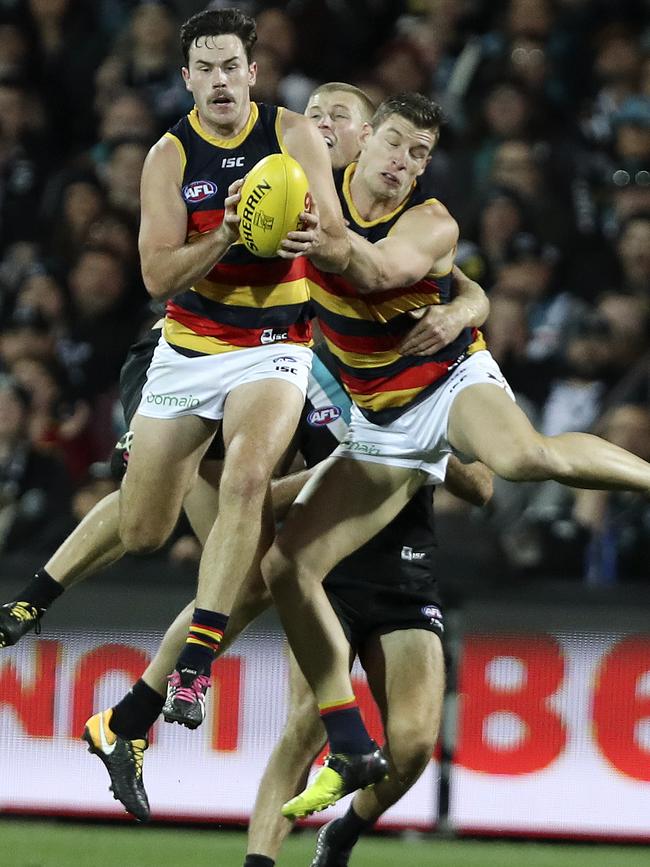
point(244, 300)
point(363, 331)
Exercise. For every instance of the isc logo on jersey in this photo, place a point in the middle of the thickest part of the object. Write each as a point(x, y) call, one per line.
point(323, 416)
point(197, 191)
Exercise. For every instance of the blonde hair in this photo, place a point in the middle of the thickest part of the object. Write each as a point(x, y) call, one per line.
point(367, 105)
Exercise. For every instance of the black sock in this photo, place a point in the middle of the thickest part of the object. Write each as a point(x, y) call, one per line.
point(258, 861)
point(41, 591)
point(346, 732)
point(203, 640)
point(134, 715)
point(347, 830)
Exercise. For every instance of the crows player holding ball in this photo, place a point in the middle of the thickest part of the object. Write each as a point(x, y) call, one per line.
point(384, 639)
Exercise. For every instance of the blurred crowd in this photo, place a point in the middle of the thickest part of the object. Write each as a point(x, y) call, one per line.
point(544, 159)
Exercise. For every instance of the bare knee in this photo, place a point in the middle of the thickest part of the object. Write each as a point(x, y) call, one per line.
point(245, 479)
point(283, 573)
point(411, 747)
point(528, 461)
point(141, 536)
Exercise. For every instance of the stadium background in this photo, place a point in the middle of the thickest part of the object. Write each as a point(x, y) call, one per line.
point(545, 161)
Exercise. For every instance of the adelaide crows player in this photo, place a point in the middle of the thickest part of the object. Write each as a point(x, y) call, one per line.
point(410, 414)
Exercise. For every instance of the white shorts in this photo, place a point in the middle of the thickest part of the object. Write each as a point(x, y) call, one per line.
point(177, 385)
point(418, 438)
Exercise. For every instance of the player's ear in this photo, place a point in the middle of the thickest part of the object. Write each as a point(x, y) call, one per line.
point(186, 78)
point(252, 73)
point(423, 169)
point(364, 135)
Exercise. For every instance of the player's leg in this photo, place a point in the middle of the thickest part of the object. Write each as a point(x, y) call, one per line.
point(286, 772)
point(256, 434)
point(484, 423)
point(162, 467)
point(405, 672)
point(119, 735)
point(345, 504)
point(93, 544)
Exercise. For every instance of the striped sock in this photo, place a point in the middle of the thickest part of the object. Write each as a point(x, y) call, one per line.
point(345, 729)
point(203, 641)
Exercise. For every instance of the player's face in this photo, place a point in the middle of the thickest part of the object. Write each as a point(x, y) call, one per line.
point(337, 115)
point(219, 77)
point(393, 156)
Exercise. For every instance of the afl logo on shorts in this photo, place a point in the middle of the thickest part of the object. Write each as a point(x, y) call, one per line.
point(433, 615)
point(323, 416)
point(197, 191)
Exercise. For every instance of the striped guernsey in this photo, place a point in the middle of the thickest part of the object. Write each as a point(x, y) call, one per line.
point(363, 331)
point(243, 301)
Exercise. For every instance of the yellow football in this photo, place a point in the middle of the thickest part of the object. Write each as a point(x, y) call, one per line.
point(274, 193)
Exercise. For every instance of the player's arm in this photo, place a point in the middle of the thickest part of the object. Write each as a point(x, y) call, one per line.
point(331, 249)
point(471, 482)
point(422, 241)
point(440, 324)
point(170, 264)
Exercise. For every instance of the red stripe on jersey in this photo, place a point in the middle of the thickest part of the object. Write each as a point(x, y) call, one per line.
point(414, 377)
point(204, 221)
point(363, 345)
point(339, 286)
point(265, 273)
point(299, 332)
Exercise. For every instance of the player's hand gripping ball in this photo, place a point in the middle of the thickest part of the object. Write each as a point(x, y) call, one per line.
point(274, 193)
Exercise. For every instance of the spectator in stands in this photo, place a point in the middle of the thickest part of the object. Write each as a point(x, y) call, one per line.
point(127, 115)
point(34, 487)
point(105, 316)
point(617, 71)
point(118, 231)
point(524, 168)
point(67, 46)
point(628, 321)
point(79, 201)
point(24, 162)
point(600, 537)
point(501, 215)
point(122, 175)
point(28, 333)
point(41, 291)
point(15, 49)
point(584, 367)
point(146, 58)
point(275, 53)
point(530, 274)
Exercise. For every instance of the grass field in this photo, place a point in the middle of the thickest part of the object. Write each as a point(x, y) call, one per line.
point(62, 844)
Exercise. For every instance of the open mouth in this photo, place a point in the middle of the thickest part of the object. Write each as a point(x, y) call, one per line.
point(221, 101)
point(390, 179)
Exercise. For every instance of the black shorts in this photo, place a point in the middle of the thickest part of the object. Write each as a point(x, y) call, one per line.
point(366, 609)
point(132, 379)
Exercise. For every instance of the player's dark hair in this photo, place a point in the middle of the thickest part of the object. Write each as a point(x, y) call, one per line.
point(367, 105)
point(421, 111)
point(219, 22)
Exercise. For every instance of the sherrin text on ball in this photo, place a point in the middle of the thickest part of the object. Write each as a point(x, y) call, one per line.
point(274, 193)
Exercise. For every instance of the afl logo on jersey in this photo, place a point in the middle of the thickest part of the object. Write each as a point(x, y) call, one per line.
point(197, 191)
point(324, 415)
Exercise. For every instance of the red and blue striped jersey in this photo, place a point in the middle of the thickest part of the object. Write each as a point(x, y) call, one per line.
point(244, 300)
point(363, 331)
